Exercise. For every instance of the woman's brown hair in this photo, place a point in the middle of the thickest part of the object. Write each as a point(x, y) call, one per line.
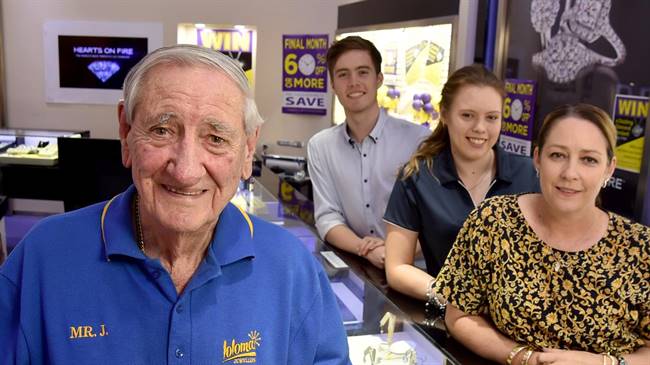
point(474, 75)
point(588, 112)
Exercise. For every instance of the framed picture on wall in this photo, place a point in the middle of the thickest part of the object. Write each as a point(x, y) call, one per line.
point(86, 62)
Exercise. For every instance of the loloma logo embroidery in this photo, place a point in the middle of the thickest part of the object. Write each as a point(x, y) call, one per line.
point(242, 352)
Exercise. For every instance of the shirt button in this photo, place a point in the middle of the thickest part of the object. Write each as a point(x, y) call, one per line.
point(364, 155)
point(179, 308)
point(365, 180)
point(372, 231)
point(179, 353)
point(155, 274)
point(367, 205)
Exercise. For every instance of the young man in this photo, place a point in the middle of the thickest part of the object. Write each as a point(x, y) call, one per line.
point(353, 165)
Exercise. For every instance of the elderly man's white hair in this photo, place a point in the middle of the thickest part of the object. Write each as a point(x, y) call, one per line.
point(189, 55)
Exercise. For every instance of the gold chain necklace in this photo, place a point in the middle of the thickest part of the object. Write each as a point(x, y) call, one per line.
point(138, 224)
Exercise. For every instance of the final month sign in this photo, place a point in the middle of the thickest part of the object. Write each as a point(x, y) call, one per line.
point(518, 117)
point(304, 74)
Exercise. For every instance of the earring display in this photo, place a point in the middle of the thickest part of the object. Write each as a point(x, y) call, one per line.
point(393, 345)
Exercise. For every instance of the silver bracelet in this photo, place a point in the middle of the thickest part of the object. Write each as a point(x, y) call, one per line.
point(432, 298)
point(429, 293)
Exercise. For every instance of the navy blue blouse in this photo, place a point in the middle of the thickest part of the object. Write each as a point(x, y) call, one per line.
point(433, 202)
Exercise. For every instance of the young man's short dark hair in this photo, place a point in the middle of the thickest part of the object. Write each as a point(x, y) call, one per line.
point(350, 43)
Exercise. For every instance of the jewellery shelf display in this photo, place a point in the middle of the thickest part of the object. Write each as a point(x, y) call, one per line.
point(31, 147)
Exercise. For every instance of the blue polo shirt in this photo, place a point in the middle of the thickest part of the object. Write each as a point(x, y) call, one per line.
point(77, 290)
point(434, 204)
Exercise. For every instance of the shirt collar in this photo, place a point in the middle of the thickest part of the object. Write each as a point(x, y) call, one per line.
point(232, 241)
point(445, 169)
point(376, 132)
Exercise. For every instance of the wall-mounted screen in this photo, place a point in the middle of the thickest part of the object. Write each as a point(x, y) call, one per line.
point(86, 62)
point(98, 62)
point(416, 60)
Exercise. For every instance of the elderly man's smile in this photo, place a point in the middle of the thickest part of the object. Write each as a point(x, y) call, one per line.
point(184, 192)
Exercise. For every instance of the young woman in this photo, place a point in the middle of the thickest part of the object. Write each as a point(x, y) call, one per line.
point(551, 278)
point(452, 171)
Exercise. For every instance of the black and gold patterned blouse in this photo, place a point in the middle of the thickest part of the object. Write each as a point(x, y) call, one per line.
point(595, 300)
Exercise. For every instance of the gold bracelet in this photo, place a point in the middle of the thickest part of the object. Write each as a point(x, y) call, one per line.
point(527, 356)
point(515, 350)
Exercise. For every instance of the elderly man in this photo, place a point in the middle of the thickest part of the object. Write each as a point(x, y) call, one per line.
point(169, 272)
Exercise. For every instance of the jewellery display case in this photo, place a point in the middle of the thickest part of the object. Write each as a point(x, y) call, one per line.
point(32, 147)
point(379, 332)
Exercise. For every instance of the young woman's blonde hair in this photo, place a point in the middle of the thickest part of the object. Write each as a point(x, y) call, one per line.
point(474, 75)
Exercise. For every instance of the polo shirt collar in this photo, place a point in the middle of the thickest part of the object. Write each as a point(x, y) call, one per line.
point(232, 241)
point(504, 166)
point(445, 169)
point(376, 132)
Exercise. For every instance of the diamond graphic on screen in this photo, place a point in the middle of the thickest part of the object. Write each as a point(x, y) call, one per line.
point(104, 69)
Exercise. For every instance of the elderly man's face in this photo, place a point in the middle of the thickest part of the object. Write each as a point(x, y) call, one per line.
point(187, 146)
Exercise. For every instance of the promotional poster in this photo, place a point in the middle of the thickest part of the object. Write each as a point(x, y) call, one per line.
point(98, 62)
point(587, 52)
point(518, 117)
point(304, 74)
point(629, 115)
point(238, 42)
point(415, 64)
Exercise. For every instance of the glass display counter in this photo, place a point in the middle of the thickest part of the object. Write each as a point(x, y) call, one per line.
point(32, 147)
point(379, 332)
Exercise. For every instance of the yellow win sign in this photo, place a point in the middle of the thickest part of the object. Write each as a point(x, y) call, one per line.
point(238, 42)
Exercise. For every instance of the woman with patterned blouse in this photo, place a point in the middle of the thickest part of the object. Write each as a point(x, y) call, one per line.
point(551, 278)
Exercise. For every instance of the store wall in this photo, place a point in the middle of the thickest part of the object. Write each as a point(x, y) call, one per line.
point(23, 20)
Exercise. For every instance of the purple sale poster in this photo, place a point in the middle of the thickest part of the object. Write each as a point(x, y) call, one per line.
point(304, 74)
point(518, 117)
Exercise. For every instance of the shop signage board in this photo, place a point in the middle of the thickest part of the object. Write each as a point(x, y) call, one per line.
point(237, 41)
point(518, 116)
point(304, 74)
point(630, 116)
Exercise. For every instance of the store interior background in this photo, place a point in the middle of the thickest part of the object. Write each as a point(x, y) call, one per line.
point(23, 102)
point(22, 22)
